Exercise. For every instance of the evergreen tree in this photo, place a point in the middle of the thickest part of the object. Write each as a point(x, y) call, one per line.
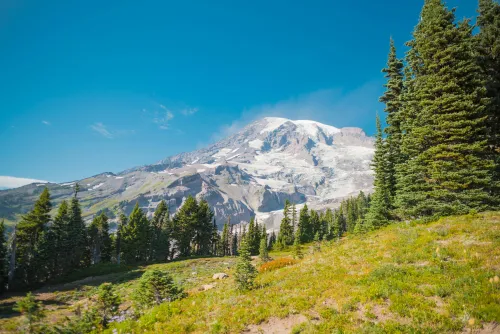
point(304, 227)
point(99, 239)
point(272, 240)
point(215, 239)
point(488, 48)
point(134, 238)
point(392, 99)
point(29, 268)
point(60, 227)
point(160, 233)
point(107, 303)
point(156, 287)
point(119, 234)
point(285, 235)
point(263, 251)
point(185, 221)
point(294, 217)
point(225, 249)
point(315, 225)
point(203, 229)
point(297, 247)
point(77, 254)
point(378, 213)
point(451, 168)
point(31, 310)
point(3, 257)
point(245, 271)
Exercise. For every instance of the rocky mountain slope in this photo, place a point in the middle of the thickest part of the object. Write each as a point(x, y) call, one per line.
point(249, 173)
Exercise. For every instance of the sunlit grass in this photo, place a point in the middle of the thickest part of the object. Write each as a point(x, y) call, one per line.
point(407, 277)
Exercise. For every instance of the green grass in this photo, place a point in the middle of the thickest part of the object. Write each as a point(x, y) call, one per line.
point(404, 278)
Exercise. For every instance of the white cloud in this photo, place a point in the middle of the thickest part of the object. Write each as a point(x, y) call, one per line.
point(14, 182)
point(102, 130)
point(46, 122)
point(189, 111)
point(163, 119)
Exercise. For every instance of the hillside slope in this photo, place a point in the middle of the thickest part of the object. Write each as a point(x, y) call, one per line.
point(428, 278)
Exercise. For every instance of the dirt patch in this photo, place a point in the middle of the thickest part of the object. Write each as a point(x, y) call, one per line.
point(379, 313)
point(487, 328)
point(278, 325)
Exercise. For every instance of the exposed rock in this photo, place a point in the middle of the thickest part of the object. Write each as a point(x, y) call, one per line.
point(220, 276)
point(207, 287)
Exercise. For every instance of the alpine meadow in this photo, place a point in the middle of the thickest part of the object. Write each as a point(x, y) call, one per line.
point(283, 223)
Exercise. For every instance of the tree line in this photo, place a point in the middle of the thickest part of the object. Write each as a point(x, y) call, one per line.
point(440, 152)
point(43, 248)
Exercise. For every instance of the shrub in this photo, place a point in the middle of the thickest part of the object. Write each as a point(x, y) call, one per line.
point(245, 271)
point(107, 303)
point(156, 287)
point(277, 264)
point(31, 310)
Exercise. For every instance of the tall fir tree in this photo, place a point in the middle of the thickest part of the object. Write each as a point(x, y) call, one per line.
point(304, 228)
point(285, 235)
point(393, 105)
point(451, 169)
point(135, 236)
point(203, 229)
point(378, 213)
point(99, 239)
point(30, 229)
point(185, 221)
point(78, 254)
point(3, 257)
point(488, 48)
point(160, 233)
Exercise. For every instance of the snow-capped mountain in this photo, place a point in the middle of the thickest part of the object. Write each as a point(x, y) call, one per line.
point(249, 173)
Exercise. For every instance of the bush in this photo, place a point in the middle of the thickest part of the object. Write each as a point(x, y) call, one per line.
point(107, 303)
point(32, 311)
point(156, 287)
point(277, 264)
point(245, 272)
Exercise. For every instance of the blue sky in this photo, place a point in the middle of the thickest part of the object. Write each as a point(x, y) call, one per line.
point(94, 86)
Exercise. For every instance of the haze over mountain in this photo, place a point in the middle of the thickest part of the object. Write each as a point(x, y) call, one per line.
point(249, 173)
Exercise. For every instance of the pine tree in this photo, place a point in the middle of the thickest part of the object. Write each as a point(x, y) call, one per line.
point(263, 251)
point(245, 271)
point(297, 247)
point(118, 240)
point(203, 229)
point(134, 238)
point(62, 243)
point(185, 221)
point(215, 239)
point(156, 287)
point(294, 217)
point(392, 100)
point(451, 168)
point(3, 257)
point(31, 310)
point(160, 233)
point(272, 240)
point(378, 213)
point(304, 227)
point(488, 47)
point(315, 225)
point(285, 235)
point(99, 239)
point(107, 303)
point(225, 249)
point(29, 269)
point(78, 255)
